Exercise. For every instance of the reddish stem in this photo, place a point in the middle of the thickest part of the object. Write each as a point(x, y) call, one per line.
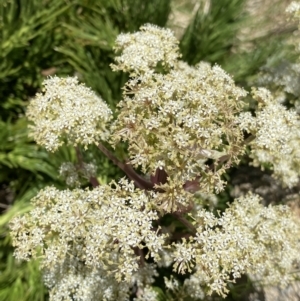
point(94, 181)
point(139, 181)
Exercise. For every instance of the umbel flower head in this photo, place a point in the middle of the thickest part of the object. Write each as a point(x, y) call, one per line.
point(82, 234)
point(179, 120)
point(67, 111)
point(176, 118)
point(277, 138)
point(247, 238)
point(143, 50)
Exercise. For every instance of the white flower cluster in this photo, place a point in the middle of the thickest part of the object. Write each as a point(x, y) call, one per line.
point(246, 238)
point(67, 111)
point(81, 235)
point(72, 280)
point(143, 50)
point(276, 137)
point(294, 8)
point(178, 121)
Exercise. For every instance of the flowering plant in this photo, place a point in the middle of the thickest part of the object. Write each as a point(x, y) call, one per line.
point(184, 127)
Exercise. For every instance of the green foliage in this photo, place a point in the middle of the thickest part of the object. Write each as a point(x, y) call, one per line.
point(22, 284)
point(213, 36)
point(29, 31)
point(19, 155)
point(212, 32)
point(246, 65)
point(18, 280)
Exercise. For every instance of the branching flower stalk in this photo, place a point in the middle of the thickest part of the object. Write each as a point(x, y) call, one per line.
point(185, 127)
